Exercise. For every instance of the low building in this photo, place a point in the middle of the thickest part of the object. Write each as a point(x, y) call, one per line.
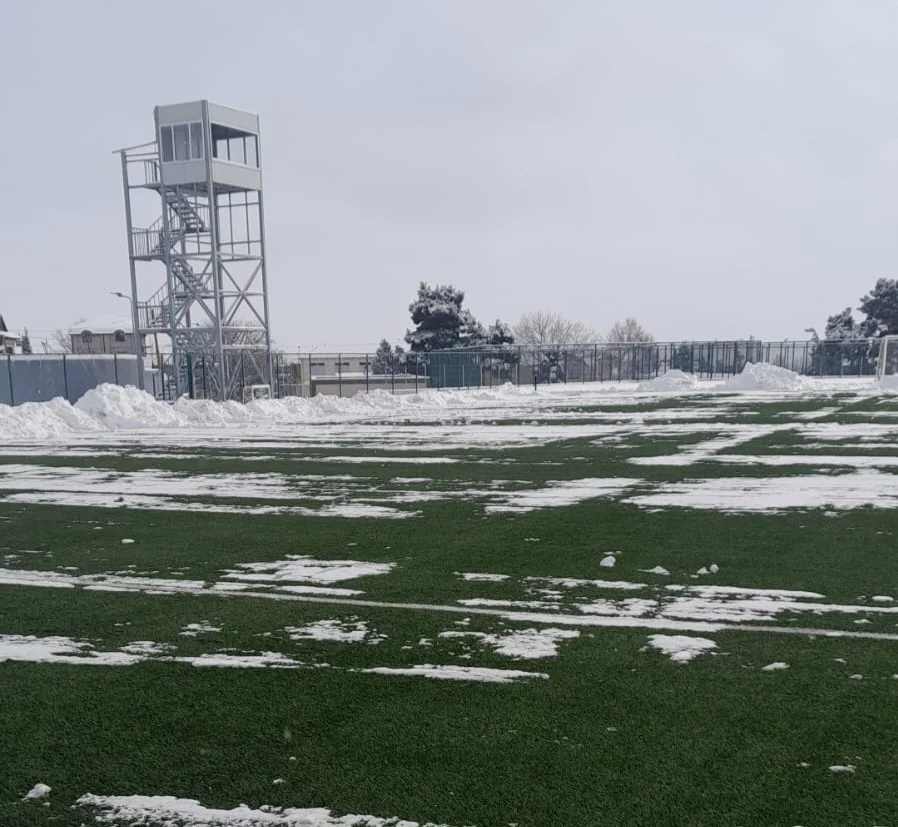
point(111, 334)
point(8, 342)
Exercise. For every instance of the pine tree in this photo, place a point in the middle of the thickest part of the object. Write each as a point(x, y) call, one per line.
point(441, 321)
point(880, 307)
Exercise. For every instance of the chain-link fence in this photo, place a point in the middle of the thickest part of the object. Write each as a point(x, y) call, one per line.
point(39, 378)
point(345, 374)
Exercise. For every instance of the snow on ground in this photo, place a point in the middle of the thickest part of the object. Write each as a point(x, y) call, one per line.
point(559, 494)
point(681, 648)
point(335, 631)
point(109, 408)
point(479, 674)
point(673, 381)
point(777, 666)
point(37, 792)
point(764, 377)
point(304, 569)
point(59, 649)
point(523, 644)
point(201, 628)
point(772, 494)
point(168, 811)
point(482, 577)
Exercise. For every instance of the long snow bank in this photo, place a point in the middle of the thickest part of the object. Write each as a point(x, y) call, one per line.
point(111, 408)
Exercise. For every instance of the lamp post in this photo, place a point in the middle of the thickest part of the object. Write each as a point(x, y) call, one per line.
point(135, 336)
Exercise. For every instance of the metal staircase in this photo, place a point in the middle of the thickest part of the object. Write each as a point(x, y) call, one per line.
point(184, 219)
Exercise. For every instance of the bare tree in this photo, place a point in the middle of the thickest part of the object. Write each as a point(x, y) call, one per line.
point(544, 335)
point(629, 330)
point(545, 328)
point(59, 341)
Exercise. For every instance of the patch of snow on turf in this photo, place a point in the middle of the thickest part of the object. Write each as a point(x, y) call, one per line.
point(607, 562)
point(147, 648)
point(168, 811)
point(201, 628)
point(844, 768)
point(57, 649)
point(559, 494)
point(85, 499)
point(523, 644)
point(772, 494)
point(304, 569)
point(263, 660)
point(576, 583)
point(657, 570)
point(336, 631)
point(882, 598)
point(481, 577)
point(458, 673)
point(681, 648)
point(776, 666)
point(37, 792)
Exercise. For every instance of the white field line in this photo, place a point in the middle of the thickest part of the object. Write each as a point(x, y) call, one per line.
point(551, 619)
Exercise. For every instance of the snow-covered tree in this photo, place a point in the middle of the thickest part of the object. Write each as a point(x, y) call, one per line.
point(387, 359)
point(880, 307)
point(25, 343)
point(843, 349)
point(441, 321)
point(499, 334)
point(629, 330)
point(842, 326)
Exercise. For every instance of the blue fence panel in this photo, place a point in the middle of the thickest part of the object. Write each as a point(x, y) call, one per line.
point(47, 376)
point(36, 378)
point(5, 378)
point(86, 372)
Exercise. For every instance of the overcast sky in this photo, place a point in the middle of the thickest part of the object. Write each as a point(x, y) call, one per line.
point(715, 169)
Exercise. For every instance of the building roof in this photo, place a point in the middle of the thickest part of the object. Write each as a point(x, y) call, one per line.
point(3, 327)
point(102, 324)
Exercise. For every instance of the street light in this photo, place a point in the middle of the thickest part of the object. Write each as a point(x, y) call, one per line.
point(136, 344)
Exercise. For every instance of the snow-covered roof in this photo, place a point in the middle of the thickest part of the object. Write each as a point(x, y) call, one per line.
point(103, 324)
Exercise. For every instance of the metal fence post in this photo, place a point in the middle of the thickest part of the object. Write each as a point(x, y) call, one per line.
point(367, 372)
point(340, 375)
point(115, 366)
point(12, 393)
point(65, 378)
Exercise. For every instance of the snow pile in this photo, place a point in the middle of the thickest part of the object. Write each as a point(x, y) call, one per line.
point(672, 381)
point(124, 408)
point(761, 376)
point(43, 420)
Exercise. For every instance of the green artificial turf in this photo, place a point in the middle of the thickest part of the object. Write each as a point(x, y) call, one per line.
point(617, 734)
